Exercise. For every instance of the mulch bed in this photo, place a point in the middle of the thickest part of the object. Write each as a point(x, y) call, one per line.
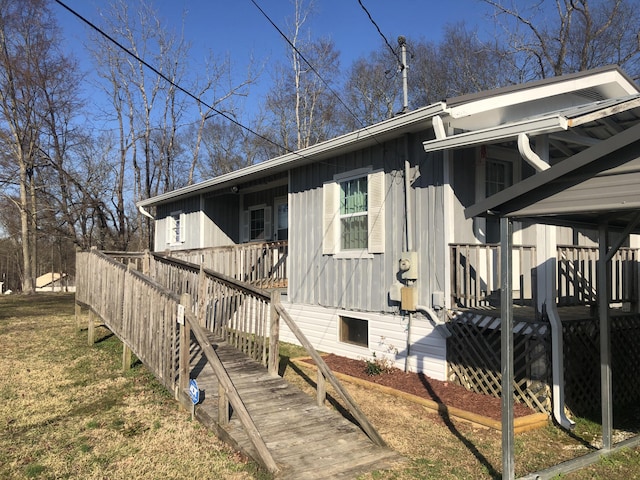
point(418, 384)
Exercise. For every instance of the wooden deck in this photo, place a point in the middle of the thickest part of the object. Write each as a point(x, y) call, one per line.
point(307, 441)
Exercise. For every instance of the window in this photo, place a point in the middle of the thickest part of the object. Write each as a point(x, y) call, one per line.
point(175, 228)
point(353, 213)
point(498, 176)
point(256, 224)
point(355, 331)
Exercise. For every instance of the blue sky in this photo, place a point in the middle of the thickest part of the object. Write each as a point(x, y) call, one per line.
point(237, 28)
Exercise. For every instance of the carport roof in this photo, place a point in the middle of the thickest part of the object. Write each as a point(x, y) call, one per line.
point(601, 183)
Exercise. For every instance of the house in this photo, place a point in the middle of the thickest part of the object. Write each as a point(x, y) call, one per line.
point(53, 282)
point(380, 254)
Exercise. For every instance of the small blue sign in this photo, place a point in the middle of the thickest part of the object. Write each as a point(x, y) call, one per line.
point(194, 391)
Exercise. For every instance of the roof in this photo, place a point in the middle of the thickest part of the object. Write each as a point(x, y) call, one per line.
point(406, 123)
point(598, 184)
point(48, 279)
point(544, 106)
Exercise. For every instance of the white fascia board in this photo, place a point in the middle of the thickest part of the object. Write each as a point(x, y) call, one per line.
point(375, 133)
point(509, 131)
point(610, 83)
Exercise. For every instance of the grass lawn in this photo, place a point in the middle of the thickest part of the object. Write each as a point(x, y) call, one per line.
point(68, 411)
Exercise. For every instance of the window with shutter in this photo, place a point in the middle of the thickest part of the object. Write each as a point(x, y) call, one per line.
point(353, 213)
point(175, 232)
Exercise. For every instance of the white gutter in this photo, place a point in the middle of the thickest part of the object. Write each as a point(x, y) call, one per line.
point(537, 126)
point(373, 134)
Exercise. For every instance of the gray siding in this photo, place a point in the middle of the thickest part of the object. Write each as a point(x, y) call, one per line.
point(191, 208)
point(362, 284)
point(222, 221)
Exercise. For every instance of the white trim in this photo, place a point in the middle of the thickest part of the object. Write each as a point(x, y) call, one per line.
point(538, 126)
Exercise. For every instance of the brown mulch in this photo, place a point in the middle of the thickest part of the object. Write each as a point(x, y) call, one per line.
point(418, 384)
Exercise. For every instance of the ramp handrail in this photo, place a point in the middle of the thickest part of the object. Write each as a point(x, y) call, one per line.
point(117, 309)
point(324, 372)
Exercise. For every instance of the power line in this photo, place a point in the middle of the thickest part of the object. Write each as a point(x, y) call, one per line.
point(295, 49)
point(169, 81)
point(395, 54)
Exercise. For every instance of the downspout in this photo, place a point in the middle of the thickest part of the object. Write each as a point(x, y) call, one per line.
point(145, 212)
point(547, 265)
point(557, 364)
point(437, 323)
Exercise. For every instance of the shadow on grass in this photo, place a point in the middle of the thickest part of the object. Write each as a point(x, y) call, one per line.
point(446, 418)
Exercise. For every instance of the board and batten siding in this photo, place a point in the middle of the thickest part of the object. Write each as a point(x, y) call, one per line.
point(362, 283)
point(192, 219)
point(387, 338)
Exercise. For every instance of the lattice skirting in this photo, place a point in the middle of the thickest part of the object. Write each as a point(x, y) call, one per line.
point(473, 357)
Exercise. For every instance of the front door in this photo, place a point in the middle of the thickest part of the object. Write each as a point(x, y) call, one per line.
point(281, 220)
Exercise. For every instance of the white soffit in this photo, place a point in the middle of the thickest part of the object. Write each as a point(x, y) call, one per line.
point(608, 84)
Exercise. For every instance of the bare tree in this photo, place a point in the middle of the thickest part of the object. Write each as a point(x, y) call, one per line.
point(31, 69)
point(372, 90)
point(301, 103)
point(554, 37)
point(458, 65)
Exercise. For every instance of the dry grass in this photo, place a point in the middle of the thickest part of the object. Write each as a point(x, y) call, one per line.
point(67, 411)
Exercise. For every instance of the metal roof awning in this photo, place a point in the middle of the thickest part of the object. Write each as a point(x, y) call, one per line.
point(599, 183)
point(550, 122)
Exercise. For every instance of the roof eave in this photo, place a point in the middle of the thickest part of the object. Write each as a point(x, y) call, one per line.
point(359, 138)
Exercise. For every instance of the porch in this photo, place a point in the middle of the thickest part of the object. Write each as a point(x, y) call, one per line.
point(473, 350)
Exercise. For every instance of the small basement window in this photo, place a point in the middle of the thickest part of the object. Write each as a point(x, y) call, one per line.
point(355, 331)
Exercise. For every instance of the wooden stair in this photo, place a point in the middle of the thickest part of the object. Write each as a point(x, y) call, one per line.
point(307, 441)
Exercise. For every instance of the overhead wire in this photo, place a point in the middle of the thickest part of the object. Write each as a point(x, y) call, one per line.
point(313, 69)
point(171, 82)
point(395, 54)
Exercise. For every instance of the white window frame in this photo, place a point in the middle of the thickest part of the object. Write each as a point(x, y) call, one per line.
point(376, 193)
point(246, 224)
point(501, 155)
point(176, 235)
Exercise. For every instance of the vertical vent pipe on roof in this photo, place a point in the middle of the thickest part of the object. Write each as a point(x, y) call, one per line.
point(403, 68)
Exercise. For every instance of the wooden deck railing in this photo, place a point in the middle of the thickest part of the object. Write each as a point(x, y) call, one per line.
point(576, 279)
point(234, 311)
point(475, 275)
point(143, 314)
point(262, 264)
point(236, 315)
point(246, 317)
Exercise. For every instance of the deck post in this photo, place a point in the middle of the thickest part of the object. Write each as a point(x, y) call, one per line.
point(202, 297)
point(126, 357)
point(506, 351)
point(321, 389)
point(185, 344)
point(223, 405)
point(274, 334)
point(78, 315)
point(605, 338)
point(91, 329)
point(146, 262)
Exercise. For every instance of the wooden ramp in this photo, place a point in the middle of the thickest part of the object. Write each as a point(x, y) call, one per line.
point(307, 441)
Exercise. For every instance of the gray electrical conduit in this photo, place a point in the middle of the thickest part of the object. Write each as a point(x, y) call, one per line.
point(437, 323)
